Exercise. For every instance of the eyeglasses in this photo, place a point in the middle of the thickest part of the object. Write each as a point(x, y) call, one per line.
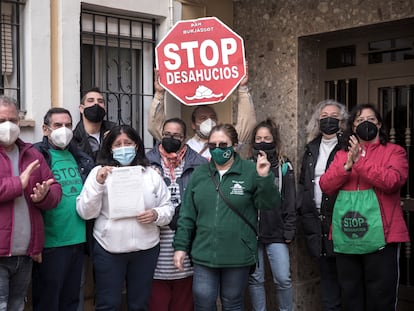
point(221, 145)
point(172, 135)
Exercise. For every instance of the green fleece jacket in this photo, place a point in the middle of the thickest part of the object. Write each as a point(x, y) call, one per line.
point(221, 238)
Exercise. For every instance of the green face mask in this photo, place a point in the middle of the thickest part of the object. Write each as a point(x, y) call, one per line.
point(221, 156)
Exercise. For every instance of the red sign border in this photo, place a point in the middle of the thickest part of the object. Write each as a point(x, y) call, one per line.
point(197, 20)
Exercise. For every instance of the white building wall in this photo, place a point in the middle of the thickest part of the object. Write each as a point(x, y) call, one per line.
point(35, 58)
point(36, 52)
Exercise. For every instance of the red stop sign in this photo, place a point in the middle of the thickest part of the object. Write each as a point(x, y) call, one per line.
point(200, 61)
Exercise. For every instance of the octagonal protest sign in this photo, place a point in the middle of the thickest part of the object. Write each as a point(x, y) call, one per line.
point(200, 61)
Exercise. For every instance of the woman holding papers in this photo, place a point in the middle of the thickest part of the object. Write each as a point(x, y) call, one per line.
point(129, 201)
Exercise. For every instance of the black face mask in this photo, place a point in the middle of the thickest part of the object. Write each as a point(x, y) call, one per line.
point(367, 131)
point(171, 144)
point(94, 113)
point(268, 148)
point(329, 125)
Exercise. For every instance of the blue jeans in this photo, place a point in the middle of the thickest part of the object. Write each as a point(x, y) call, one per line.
point(56, 281)
point(113, 270)
point(231, 282)
point(278, 254)
point(15, 276)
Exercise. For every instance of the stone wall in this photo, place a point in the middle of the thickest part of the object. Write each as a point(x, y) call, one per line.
point(272, 29)
point(283, 80)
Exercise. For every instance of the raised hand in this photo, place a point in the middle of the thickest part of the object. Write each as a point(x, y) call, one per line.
point(262, 164)
point(25, 175)
point(244, 81)
point(354, 152)
point(102, 174)
point(41, 190)
point(157, 86)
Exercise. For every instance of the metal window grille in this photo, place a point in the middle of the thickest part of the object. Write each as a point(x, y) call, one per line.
point(117, 55)
point(343, 91)
point(10, 28)
point(396, 105)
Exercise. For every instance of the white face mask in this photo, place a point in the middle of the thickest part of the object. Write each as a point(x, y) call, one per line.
point(206, 126)
point(9, 132)
point(61, 137)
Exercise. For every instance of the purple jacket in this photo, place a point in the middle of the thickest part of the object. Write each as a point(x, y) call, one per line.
point(11, 188)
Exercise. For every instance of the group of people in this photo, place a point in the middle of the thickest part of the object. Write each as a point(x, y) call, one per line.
point(198, 219)
point(344, 158)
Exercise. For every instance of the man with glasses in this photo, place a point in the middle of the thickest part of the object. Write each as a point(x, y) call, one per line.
point(204, 118)
point(27, 187)
point(57, 280)
point(172, 289)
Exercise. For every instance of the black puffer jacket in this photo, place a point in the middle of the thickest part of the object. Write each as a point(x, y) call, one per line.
point(81, 137)
point(279, 224)
point(316, 227)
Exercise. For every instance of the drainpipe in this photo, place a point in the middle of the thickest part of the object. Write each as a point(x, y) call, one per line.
point(54, 52)
point(171, 13)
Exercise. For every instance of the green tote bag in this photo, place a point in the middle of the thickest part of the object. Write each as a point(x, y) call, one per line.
point(356, 223)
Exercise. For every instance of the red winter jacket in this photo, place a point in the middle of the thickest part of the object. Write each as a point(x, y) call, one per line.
point(11, 188)
point(383, 168)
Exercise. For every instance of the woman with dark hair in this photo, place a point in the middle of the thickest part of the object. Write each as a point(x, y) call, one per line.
point(176, 162)
point(277, 226)
point(368, 163)
point(126, 232)
point(131, 136)
point(217, 222)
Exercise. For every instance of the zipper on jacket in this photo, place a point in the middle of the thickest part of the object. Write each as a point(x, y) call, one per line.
point(216, 216)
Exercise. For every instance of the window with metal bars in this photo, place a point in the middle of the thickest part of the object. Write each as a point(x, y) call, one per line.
point(10, 29)
point(117, 56)
point(343, 91)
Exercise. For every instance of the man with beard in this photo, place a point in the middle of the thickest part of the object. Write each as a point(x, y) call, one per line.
point(204, 118)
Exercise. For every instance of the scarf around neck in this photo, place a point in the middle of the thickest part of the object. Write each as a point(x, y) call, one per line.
point(173, 159)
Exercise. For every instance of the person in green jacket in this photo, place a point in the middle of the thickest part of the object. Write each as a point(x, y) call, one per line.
point(222, 239)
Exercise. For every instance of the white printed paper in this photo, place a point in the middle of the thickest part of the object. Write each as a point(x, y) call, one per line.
point(125, 197)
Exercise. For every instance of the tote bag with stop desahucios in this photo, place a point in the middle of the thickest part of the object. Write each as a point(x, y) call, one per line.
point(356, 223)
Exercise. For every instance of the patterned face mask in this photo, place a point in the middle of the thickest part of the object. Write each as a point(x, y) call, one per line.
point(221, 156)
